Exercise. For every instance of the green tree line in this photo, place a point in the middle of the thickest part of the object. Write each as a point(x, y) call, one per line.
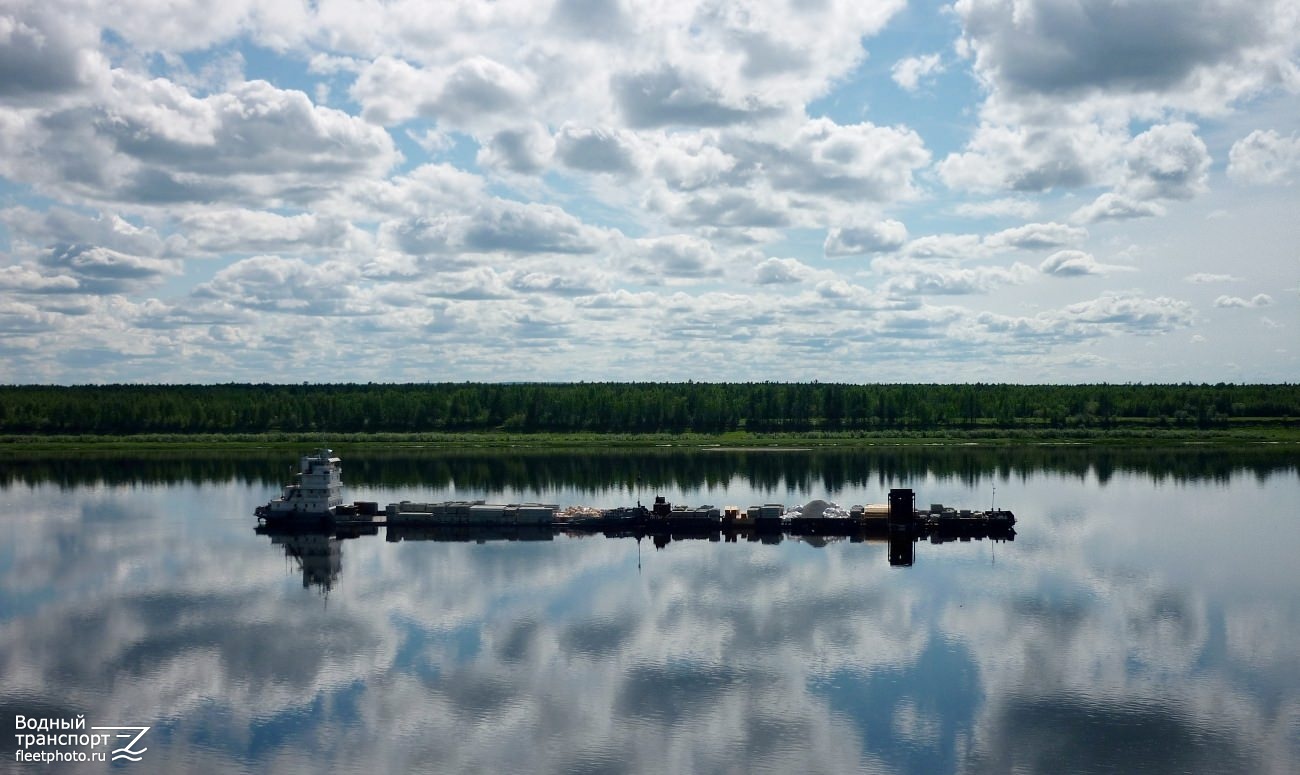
point(633, 407)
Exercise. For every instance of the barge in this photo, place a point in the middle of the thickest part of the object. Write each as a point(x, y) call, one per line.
point(314, 501)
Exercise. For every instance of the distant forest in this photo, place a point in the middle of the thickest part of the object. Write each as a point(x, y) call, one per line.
point(763, 407)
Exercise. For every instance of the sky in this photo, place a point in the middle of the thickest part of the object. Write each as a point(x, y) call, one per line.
point(791, 190)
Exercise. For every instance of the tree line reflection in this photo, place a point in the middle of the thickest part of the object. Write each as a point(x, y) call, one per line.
point(495, 470)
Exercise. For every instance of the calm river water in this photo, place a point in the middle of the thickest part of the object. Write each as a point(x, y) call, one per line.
point(1144, 619)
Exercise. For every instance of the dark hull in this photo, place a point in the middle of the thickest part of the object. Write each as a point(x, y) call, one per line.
point(467, 533)
point(293, 521)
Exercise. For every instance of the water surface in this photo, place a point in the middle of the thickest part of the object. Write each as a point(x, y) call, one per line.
point(1144, 619)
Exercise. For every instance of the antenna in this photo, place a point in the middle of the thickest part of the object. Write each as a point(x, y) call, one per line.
point(995, 497)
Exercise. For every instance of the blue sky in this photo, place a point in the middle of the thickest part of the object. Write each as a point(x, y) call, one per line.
point(995, 190)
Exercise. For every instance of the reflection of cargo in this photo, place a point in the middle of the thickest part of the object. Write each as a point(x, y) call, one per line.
point(833, 526)
point(902, 551)
point(822, 526)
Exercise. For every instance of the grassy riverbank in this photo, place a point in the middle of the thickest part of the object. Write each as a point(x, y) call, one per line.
point(1136, 436)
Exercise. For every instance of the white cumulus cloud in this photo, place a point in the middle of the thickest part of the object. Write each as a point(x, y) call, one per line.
point(1265, 157)
point(1258, 300)
point(910, 71)
point(880, 237)
point(1073, 263)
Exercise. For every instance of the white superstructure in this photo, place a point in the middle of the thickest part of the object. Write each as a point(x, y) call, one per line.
point(317, 492)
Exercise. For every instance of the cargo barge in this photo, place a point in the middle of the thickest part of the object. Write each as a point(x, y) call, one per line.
point(314, 502)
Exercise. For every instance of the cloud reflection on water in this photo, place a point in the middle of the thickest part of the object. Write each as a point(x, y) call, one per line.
point(563, 656)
